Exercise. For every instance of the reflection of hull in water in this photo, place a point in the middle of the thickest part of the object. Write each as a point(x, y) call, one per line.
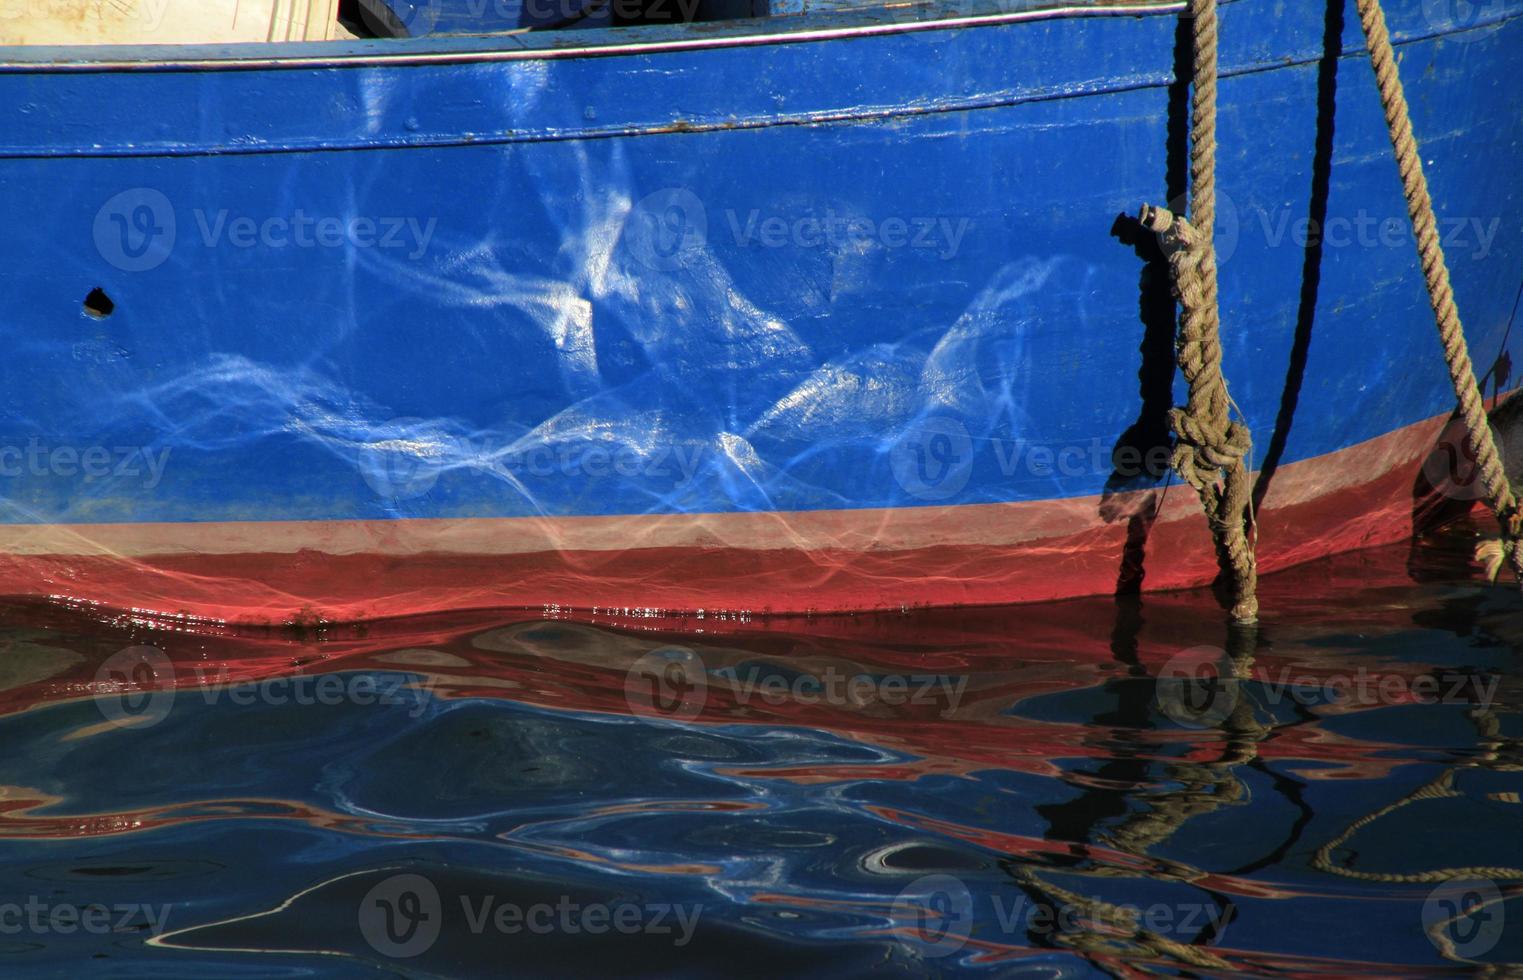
point(993, 689)
point(611, 357)
point(522, 769)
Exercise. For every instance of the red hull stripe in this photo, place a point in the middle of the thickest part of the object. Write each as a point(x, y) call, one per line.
point(814, 561)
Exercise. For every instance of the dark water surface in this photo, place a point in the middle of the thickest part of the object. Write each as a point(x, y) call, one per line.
point(1051, 790)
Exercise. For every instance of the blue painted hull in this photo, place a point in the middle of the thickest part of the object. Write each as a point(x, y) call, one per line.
point(858, 267)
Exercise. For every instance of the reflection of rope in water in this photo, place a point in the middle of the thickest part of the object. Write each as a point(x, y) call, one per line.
point(1116, 931)
point(1111, 931)
point(1488, 726)
point(1438, 789)
point(1204, 786)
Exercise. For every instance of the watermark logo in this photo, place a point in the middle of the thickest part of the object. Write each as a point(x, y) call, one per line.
point(1459, 16)
point(1465, 917)
point(401, 917)
point(302, 230)
point(357, 688)
point(1460, 235)
point(1227, 229)
point(406, 465)
point(1283, 226)
point(933, 459)
point(938, 235)
point(126, 463)
point(135, 230)
point(674, 683)
point(1200, 687)
point(666, 228)
point(416, 18)
point(135, 687)
point(1195, 688)
point(38, 917)
point(667, 684)
point(1452, 468)
point(766, 684)
point(552, 12)
point(935, 914)
point(405, 457)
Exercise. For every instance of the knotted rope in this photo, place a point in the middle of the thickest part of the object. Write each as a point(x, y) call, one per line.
point(1210, 446)
point(1430, 250)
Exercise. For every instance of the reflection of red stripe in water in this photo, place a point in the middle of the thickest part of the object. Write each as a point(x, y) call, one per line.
point(1003, 658)
point(726, 564)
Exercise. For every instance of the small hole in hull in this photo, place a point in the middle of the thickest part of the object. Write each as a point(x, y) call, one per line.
point(98, 304)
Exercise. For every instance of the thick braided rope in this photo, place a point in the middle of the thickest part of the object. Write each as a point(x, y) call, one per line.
point(1210, 447)
point(1436, 272)
point(1203, 122)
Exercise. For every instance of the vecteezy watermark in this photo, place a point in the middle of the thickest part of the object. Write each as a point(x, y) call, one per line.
point(359, 688)
point(137, 229)
point(666, 229)
point(402, 917)
point(1452, 467)
point(137, 687)
point(408, 461)
point(937, 915)
point(667, 684)
point(673, 683)
point(564, 11)
point(1459, 17)
point(302, 230)
point(419, 17)
point(1460, 235)
point(1202, 686)
point(127, 463)
point(939, 235)
point(1284, 226)
point(933, 458)
point(1464, 918)
point(38, 916)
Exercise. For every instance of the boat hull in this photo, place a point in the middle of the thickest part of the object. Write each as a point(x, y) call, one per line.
point(851, 319)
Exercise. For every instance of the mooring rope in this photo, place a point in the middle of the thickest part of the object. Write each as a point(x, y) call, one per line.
point(1430, 250)
point(1210, 446)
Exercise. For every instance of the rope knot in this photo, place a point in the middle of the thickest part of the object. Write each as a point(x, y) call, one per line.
point(1211, 448)
point(1175, 233)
